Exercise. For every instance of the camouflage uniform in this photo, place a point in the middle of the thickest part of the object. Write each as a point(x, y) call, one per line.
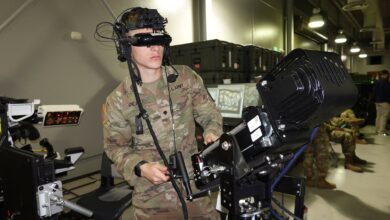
point(344, 136)
point(190, 101)
point(347, 138)
point(352, 121)
point(317, 153)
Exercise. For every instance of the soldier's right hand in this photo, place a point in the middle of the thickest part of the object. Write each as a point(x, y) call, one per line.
point(155, 172)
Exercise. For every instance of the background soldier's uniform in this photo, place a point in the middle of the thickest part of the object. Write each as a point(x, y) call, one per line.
point(352, 122)
point(339, 134)
point(382, 102)
point(190, 101)
point(316, 160)
point(346, 137)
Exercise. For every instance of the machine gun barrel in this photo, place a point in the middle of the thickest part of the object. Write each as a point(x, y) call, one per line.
point(77, 208)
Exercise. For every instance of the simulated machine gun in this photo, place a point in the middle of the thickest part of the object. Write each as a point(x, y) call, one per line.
point(28, 185)
point(249, 162)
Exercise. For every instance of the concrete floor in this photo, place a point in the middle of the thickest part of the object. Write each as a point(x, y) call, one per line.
point(358, 195)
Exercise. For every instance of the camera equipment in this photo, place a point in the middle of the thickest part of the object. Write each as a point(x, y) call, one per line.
point(28, 189)
point(137, 18)
point(150, 39)
point(249, 162)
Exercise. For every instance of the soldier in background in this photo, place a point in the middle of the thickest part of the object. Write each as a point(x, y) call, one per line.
point(346, 137)
point(353, 123)
point(173, 105)
point(382, 103)
point(316, 161)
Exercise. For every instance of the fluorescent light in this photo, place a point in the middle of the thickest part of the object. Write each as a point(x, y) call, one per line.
point(355, 48)
point(316, 20)
point(340, 38)
point(362, 54)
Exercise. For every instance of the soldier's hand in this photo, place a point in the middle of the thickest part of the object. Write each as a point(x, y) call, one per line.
point(210, 137)
point(154, 172)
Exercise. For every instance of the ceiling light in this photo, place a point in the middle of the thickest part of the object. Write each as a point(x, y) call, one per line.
point(340, 38)
point(362, 54)
point(343, 57)
point(355, 48)
point(316, 20)
point(353, 5)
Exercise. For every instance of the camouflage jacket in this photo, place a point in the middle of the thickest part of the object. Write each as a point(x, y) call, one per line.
point(350, 117)
point(190, 101)
point(341, 123)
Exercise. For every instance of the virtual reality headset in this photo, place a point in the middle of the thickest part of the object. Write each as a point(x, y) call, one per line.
point(150, 39)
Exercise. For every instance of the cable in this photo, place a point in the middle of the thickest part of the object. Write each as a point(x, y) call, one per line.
point(285, 209)
point(171, 110)
point(287, 168)
point(99, 33)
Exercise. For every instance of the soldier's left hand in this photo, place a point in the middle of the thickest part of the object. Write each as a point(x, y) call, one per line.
point(209, 138)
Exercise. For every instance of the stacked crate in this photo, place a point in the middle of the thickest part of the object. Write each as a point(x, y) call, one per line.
point(259, 61)
point(254, 61)
point(216, 60)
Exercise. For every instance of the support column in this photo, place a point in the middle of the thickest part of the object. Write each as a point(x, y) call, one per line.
point(289, 30)
point(199, 20)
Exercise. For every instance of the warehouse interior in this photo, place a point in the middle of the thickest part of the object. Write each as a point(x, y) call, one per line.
point(51, 53)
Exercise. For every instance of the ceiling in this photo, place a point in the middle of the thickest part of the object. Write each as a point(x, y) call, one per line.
point(384, 6)
point(369, 26)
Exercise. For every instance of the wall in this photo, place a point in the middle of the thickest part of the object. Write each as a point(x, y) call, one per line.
point(246, 22)
point(360, 65)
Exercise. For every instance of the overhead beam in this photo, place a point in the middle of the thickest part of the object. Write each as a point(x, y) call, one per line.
point(15, 14)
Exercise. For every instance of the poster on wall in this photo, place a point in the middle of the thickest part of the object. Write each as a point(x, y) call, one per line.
point(230, 100)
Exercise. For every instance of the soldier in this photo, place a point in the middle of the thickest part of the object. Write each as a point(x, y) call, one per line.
point(346, 137)
point(382, 102)
point(352, 122)
point(316, 158)
point(174, 97)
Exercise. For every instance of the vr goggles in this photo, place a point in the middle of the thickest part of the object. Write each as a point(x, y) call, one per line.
point(150, 39)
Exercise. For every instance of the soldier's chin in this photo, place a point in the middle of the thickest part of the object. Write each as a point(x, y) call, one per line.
point(155, 63)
